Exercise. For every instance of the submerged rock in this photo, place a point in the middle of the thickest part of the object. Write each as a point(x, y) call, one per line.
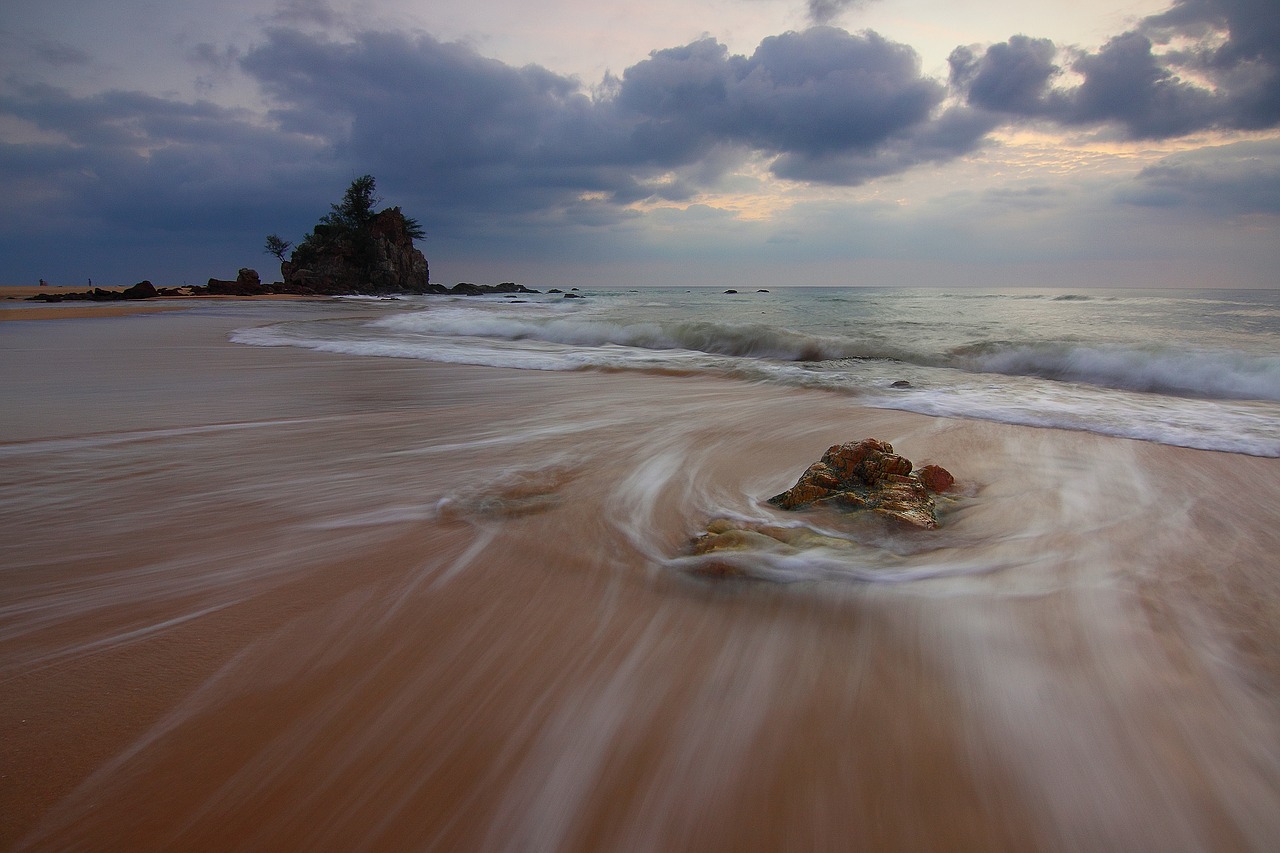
point(868, 475)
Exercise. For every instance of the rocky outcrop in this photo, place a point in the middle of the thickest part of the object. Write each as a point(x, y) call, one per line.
point(855, 477)
point(141, 290)
point(377, 258)
point(868, 475)
point(247, 283)
point(466, 288)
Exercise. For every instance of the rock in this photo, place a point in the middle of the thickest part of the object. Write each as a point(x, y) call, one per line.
point(731, 291)
point(141, 290)
point(936, 478)
point(762, 290)
point(247, 283)
point(466, 288)
point(572, 296)
point(865, 475)
point(901, 383)
point(555, 290)
point(376, 258)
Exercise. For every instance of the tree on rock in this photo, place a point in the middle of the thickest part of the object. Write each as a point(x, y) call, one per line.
point(356, 208)
point(353, 249)
point(277, 245)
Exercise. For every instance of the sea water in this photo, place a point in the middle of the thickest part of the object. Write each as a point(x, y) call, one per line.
point(1196, 369)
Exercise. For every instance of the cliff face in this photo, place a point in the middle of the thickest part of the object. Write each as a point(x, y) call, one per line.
point(379, 257)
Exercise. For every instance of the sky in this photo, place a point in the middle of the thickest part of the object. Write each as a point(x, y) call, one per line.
point(1061, 143)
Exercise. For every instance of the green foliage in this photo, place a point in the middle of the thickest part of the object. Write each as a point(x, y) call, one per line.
point(356, 208)
point(277, 245)
point(346, 226)
point(414, 229)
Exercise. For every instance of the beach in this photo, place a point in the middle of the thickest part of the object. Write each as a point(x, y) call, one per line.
point(262, 597)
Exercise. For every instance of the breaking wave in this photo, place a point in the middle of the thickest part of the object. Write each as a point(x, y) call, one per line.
point(1222, 375)
point(746, 340)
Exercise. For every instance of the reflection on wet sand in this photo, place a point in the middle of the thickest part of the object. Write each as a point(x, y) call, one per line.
point(319, 602)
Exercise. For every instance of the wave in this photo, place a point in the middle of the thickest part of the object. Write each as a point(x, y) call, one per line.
point(549, 338)
point(1246, 427)
point(738, 340)
point(1024, 398)
point(1225, 375)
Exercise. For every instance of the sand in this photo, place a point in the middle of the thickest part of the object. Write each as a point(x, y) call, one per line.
point(275, 599)
point(14, 304)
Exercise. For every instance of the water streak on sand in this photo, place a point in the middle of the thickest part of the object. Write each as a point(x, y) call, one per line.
point(430, 606)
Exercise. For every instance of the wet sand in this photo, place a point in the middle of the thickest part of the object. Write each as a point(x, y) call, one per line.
point(15, 304)
point(275, 599)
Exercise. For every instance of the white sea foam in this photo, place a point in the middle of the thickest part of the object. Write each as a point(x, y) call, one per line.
point(1058, 368)
point(751, 340)
point(1220, 375)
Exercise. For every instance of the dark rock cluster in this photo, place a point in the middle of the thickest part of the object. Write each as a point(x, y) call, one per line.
point(141, 290)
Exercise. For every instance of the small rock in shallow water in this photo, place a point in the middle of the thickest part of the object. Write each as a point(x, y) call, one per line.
point(867, 475)
point(936, 478)
point(854, 477)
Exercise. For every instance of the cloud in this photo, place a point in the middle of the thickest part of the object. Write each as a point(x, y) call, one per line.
point(1129, 84)
point(1011, 76)
point(471, 134)
point(125, 161)
point(1243, 178)
point(301, 12)
point(804, 94)
point(826, 11)
point(506, 156)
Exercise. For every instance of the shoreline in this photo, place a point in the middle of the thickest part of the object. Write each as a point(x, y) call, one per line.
point(86, 309)
point(271, 597)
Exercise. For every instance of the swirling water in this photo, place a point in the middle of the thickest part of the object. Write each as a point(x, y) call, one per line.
point(1197, 369)
point(268, 599)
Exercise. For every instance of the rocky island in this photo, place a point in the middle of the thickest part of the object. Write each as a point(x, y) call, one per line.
point(353, 249)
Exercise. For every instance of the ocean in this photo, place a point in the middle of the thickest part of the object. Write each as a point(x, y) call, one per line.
point(1194, 369)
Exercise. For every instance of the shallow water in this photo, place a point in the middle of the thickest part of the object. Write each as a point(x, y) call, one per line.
point(265, 598)
point(1188, 368)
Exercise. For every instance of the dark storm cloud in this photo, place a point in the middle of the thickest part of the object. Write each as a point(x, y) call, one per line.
point(471, 132)
point(129, 161)
point(473, 146)
point(956, 132)
point(811, 93)
point(460, 131)
point(1135, 84)
point(1232, 179)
